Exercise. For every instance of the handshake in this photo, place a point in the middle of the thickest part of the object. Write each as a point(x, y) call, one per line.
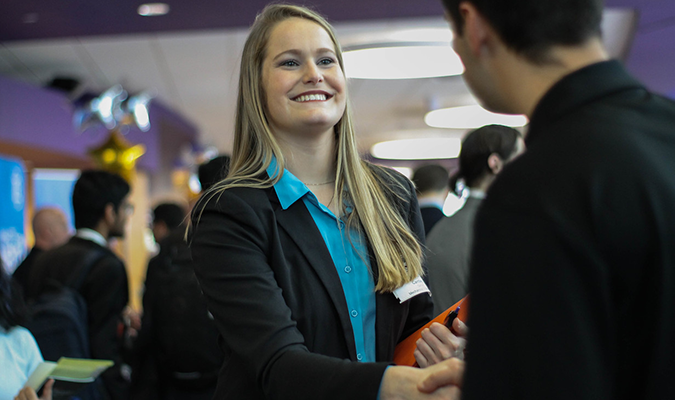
point(440, 354)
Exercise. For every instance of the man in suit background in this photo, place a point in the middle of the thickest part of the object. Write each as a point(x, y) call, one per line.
point(431, 185)
point(101, 209)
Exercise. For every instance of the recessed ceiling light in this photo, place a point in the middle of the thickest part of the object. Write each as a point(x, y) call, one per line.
point(422, 35)
point(470, 117)
point(417, 149)
point(407, 171)
point(402, 61)
point(153, 9)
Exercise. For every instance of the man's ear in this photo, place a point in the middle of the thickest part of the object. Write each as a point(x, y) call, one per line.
point(495, 163)
point(476, 29)
point(109, 214)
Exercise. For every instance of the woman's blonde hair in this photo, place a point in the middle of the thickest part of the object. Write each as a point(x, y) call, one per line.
point(395, 248)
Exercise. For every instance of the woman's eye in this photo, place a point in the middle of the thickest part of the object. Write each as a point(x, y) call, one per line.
point(289, 63)
point(326, 61)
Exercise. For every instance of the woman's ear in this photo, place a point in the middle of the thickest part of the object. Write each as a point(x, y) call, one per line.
point(495, 163)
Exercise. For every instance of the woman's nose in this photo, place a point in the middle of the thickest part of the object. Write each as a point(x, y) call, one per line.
point(313, 74)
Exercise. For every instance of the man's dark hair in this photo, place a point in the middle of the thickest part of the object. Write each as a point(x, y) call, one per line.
point(477, 147)
point(430, 178)
point(213, 171)
point(171, 214)
point(531, 27)
point(93, 191)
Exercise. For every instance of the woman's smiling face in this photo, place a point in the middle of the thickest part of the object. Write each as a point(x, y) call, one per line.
point(303, 84)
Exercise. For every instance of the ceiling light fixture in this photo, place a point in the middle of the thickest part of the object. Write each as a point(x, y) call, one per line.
point(470, 117)
point(442, 34)
point(417, 149)
point(153, 9)
point(402, 60)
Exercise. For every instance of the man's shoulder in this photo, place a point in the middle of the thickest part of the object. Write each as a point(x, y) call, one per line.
point(454, 226)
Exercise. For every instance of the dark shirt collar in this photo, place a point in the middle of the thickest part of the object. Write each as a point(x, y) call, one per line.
point(576, 90)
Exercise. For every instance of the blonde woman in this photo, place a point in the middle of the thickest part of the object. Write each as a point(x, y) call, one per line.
point(300, 249)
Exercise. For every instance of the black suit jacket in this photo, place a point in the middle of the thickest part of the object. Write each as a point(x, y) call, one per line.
point(573, 269)
point(430, 216)
point(106, 292)
point(271, 284)
point(22, 272)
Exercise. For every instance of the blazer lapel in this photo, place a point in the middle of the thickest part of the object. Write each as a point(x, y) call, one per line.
point(299, 225)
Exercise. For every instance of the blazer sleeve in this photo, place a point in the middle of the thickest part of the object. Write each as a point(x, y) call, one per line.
point(231, 243)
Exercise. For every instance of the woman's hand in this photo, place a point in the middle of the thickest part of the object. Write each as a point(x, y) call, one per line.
point(439, 343)
point(29, 393)
point(438, 382)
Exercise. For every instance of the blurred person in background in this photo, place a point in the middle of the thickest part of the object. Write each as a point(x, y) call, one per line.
point(50, 229)
point(177, 353)
point(485, 152)
point(101, 209)
point(166, 217)
point(19, 353)
point(431, 184)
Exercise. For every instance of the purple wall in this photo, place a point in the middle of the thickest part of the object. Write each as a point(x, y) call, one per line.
point(43, 118)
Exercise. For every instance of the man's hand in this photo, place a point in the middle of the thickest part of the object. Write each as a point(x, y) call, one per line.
point(439, 343)
point(448, 372)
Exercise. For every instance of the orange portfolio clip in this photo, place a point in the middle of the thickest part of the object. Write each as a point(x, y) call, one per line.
point(404, 352)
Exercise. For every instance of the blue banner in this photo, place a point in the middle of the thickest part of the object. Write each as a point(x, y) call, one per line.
point(12, 206)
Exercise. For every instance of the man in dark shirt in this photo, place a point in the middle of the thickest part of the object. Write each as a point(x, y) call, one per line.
point(431, 185)
point(573, 269)
point(101, 210)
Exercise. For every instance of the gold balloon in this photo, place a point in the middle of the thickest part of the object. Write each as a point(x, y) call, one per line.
point(118, 155)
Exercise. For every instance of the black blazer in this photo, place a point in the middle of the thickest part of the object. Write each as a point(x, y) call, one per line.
point(271, 284)
point(430, 216)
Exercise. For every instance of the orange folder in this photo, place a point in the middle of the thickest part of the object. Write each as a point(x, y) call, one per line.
point(404, 352)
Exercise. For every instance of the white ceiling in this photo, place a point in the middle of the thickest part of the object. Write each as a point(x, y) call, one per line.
point(196, 75)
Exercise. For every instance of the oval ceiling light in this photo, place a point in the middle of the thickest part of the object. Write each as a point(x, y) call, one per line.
point(402, 61)
point(153, 9)
point(417, 149)
point(422, 35)
point(470, 117)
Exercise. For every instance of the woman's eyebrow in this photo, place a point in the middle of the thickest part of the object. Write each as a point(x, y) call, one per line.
point(297, 52)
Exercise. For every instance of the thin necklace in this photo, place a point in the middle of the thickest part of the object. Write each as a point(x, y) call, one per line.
point(319, 184)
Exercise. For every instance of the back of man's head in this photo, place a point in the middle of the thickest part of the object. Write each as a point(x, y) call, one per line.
point(93, 191)
point(532, 27)
point(213, 171)
point(50, 228)
point(171, 214)
point(430, 178)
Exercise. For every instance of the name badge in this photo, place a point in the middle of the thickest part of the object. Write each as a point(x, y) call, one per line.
point(411, 289)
